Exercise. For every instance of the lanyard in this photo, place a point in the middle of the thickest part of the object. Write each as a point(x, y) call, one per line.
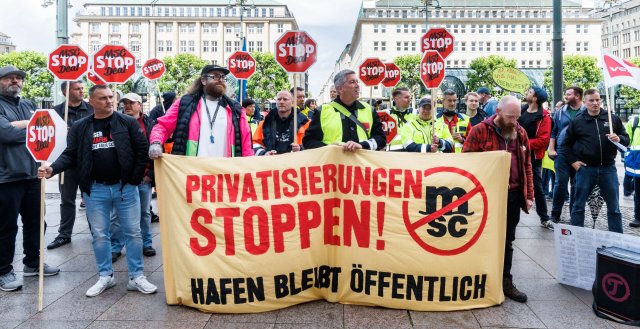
point(211, 121)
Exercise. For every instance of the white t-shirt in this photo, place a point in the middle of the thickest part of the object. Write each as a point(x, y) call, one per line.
point(217, 148)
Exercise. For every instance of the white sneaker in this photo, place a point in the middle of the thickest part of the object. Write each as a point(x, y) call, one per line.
point(141, 284)
point(104, 283)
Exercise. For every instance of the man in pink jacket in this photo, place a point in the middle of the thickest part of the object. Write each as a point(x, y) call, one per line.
point(204, 122)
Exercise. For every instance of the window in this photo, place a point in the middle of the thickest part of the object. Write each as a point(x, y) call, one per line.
point(636, 35)
point(183, 46)
point(513, 28)
point(135, 45)
point(117, 11)
point(383, 46)
point(523, 28)
point(548, 28)
point(530, 28)
point(473, 46)
point(548, 45)
point(110, 11)
point(481, 46)
point(205, 46)
point(398, 46)
point(183, 28)
point(375, 28)
point(636, 51)
point(95, 45)
point(214, 46)
point(523, 46)
point(463, 46)
point(169, 44)
point(135, 28)
point(280, 28)
point(125, 11)
point(505, 28)
point(228, 28)
point(473, 28)
point(585, 46)
point(406, 28)
point(259, 28)
point(103, 11)
point(538, 28)
point(585, 28)
point(251, 29)
point(406, 46)
point(206, 28)
point(538, 46)
point(192, 28)
point(236, 45)
point(115, 27)
point(192, 46)
point(489, 46)
point(513, 46)
point(530, 46)
point(259, 46)
point(270, 12)
point(95, 27)
point(413, 46)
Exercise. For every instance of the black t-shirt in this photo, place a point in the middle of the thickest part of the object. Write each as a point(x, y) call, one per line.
point(106, 168)
point(529, 121)
point(283, 135)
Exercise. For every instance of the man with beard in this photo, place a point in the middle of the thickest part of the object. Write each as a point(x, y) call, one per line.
point(77, 110)
point(458, 123)
point(564, 172)
point(424, 134)
point(346, 121)
point(402, 112)
point(275, 133)
point(471, 100)
point(19, 185)
point(501, 132)
point(205, 122)
point(592, 155)
point(536, 121)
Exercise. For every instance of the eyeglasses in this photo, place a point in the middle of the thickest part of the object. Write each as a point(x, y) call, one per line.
point(216, 77)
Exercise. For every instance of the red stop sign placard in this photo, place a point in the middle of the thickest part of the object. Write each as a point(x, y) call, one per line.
point(371, 71)
point(68, 62)
point(241, 65)
point(432, 69)
point(114, 64)
point(438, 39)
point(94, 78)
point(389, 125)
point(391, 75)
point(153, 69)
point(296, 51)
point(46, 135)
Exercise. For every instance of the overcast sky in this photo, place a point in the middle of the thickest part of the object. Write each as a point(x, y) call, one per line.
point(329, 22)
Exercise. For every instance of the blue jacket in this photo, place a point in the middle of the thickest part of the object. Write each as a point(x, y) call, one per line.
point(561, 120)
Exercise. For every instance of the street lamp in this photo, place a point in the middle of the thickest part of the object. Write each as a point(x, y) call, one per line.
point(243, 5)
point(426, 4)
point(62, 33)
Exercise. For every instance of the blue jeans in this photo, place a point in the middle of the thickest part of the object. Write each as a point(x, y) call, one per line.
point(564, 175)
point(548, 178)
point(126, 203)
point(117, 238)
point(605, 177)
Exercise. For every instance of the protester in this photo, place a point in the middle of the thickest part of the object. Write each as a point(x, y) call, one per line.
point(632, 164)
point(299, 96)
point(159, 110)
point(418, 135)
point(559, 155)
point(458, 123)
point(502, 132)
point(198, 126)
point(309, 108)
point(475, 114)
point(333, 92)
point(133, 107)
point(402, 112)
point(487, 103)
point(109, 149)
point(536, 121)
point(19, 186)
point(253, 117)
point(77, 110)
point(275, 134)
point(593, 155)
point(346, 120)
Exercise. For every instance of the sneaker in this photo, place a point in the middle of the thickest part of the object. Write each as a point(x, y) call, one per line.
point(34, 271)
point(148, 251)
point(512, 292)
point(115, 256)
point(547, 224)
point(104, 283)
point(155, 218)
point(142, 285)
point(58, 242)
point(635, 223)
point(10, 282)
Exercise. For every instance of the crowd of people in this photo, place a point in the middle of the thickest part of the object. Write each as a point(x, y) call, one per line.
point(109, 155)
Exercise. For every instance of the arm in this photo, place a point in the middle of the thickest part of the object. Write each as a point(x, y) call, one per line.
point(542, 136)
point(10, 134)
point(313, 135)
point(140, 146)
point(474, 139)
point(378, 140)
point(569, 140)
point(445, 137)
point(166, 125)
point(621, 132)
point(69, 157)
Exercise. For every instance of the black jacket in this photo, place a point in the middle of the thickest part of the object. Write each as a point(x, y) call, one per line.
point(83, 110)
point(131, 147)
point(15, 161)
point(269, 127)
point(148, 126)
point(587, 140)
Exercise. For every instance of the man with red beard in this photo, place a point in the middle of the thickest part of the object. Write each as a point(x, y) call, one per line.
point(502, 132)
point(205, 122)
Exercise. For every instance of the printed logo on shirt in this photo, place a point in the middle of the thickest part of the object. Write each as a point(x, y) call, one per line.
point(101, 142)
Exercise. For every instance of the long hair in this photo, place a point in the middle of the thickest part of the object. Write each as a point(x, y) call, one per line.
point(196, 88)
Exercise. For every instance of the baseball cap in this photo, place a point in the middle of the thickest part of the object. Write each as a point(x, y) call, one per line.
point(10, 69)
point(213, 67)
point(424, 101)
point(483, 90)
point(132, 97)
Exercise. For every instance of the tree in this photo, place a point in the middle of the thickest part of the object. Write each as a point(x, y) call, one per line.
point(180, 72)
point(410, 74)
point(268, 79)
point(37, 85)
point(632, 95)
point(577, 70)
point(481, 70)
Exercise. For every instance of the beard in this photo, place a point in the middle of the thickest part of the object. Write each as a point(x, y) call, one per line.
point(507, 130)
point(10, 90)
point(215, 89)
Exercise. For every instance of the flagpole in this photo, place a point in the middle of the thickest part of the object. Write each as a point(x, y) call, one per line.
point(295, 111)
point(606, 90)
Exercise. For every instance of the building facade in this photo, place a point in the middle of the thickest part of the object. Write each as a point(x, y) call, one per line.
point(621, 28)
point(516, 29)
point(6, 45)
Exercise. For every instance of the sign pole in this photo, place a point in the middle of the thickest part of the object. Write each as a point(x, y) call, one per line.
point(161, 99)
point(41, 266)
point(66, 120)
point(434, 109)
point(371, 96)
point(295, 110)
point(606, 90)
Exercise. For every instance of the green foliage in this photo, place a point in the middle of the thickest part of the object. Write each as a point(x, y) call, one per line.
point(39, 81)
point(410, 75)
point(577, 70)
point(181, 70)
point(632, 95)
point(268, 79)
point(481, 69)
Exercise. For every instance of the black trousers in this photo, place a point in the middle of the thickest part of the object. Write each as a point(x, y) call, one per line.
point(514, 202)
point(538, 192)
point(68, 193)
point(19, 198)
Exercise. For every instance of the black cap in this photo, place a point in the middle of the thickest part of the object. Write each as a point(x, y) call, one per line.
point(213, 67)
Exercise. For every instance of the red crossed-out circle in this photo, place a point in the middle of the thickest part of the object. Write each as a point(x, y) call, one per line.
point(412, 228)
point(613, 292)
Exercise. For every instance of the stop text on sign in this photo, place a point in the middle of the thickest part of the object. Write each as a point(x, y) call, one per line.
point(68, 60)
point(241, 63)
point(42, 133)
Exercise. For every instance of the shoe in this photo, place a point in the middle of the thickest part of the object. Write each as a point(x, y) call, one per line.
point(104, 283)
point(154, 218)
point(547, 224)
point(58, 242)
point(115, 256)
point(142, 285)
point(82, 205)
point(148, 251)
point(10, 282)
point(512, 292)
point(635, 223)
point(34, 271)
point(555, 220)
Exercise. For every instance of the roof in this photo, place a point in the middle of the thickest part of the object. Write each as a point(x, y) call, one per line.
point(476, 3)
point(182, 2)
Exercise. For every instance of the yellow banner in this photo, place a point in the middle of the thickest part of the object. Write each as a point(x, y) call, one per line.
point(400, 230)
